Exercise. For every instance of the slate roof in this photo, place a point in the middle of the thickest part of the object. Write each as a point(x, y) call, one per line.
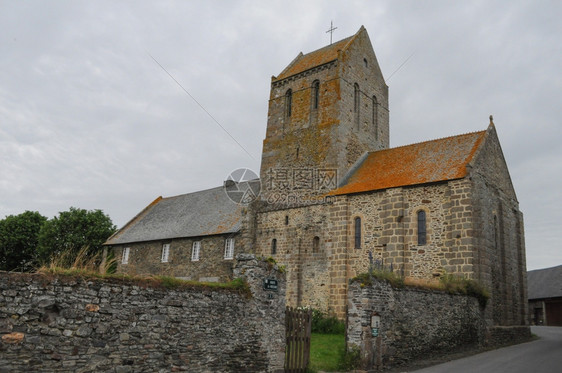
point(545, 283)
point(203, 213)
point(318, 57)
point(421, 163)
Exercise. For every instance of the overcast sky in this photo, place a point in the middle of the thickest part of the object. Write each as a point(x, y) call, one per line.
point(88, 118)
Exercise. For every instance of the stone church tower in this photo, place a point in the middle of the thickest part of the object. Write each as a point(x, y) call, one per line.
point(326, 109)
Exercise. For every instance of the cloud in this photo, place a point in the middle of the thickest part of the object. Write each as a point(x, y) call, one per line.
point(88, 119)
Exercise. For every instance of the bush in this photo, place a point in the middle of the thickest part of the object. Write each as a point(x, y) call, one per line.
point(324, 324)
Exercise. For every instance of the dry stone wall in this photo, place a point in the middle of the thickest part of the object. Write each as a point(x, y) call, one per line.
point(67, 324)
point(416, 323)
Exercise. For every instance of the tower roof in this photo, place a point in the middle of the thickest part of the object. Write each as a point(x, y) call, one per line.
point(421, 163)
point(318, 57)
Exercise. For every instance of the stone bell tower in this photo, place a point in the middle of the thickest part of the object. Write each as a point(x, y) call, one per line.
point(326, 109)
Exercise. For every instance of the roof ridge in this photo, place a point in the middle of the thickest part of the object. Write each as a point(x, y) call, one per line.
point(428, 141)
point(204, 190)
point(545, 269)
point(190, 193)
point(331, 45)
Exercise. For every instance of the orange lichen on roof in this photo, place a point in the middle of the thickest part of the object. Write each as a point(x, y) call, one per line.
point(313, 59)
point(426, 162)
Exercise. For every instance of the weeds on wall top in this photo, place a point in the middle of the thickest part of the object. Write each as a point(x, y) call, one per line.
point(88, 266)
point(452, 284)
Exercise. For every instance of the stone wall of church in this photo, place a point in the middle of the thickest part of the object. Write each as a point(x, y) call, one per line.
point(389, 230)
point(288, 236)
point(52, 323)
point(500, 255)
point(389, 239)
point(145, 259)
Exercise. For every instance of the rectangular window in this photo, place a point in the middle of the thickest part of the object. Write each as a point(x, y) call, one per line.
point(165, 252)
point(357, 233)
point(422, 233)
point(195, 251)
point(125, 256)
point(229, 248)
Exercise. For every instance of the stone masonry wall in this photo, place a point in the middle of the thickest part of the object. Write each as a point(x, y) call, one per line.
point(388, 236)
point(499, 240)
point(68, 324)
point(145, 259)
point(414, 323)
point(294, 231)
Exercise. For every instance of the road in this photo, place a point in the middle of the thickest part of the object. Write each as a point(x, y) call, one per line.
point(540, 356)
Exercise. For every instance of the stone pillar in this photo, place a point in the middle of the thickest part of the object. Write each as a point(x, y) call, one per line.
point(270, 302)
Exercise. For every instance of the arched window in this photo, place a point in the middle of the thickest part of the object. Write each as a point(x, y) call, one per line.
point(288, 103)
point(315, 94)
point(356, 102)
point(357, 224)
point(316, 244)
point(375, 118)
point(422, 232)
point(274, 246)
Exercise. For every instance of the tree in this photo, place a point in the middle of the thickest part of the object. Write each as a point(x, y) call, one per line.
point(19, 236)
point(73, 230)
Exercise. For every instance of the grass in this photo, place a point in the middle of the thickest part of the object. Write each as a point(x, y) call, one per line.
point(325, 351)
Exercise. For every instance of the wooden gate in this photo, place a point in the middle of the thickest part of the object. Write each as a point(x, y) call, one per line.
point(297, 349)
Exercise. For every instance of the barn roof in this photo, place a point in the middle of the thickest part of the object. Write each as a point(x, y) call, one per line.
point(318, 57)
point(545, 283)
point(203, 213)
point(421, 163)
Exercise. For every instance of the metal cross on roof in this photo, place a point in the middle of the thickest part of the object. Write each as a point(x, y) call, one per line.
point(331, 30)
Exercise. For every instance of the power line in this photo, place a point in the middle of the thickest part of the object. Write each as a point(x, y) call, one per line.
point(399, 67)
point(201, 106)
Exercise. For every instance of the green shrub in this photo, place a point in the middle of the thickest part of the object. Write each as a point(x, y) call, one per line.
point(325, 324)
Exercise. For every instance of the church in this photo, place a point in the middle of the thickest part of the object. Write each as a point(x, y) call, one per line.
point(334, 199)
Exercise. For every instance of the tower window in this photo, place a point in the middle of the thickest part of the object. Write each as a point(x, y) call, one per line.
point(288, 103)
point(357, 224)
point(274, 246)
point(286, 219)
point(365, 62)
point(316, 244)
point(315, 94)
point(422, 233)
point(356, 103)
point(375, 118)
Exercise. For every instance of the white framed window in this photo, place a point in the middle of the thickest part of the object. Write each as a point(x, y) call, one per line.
point(195, 251)
point(165, 253)
point(229, 248)
point(125, 255)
